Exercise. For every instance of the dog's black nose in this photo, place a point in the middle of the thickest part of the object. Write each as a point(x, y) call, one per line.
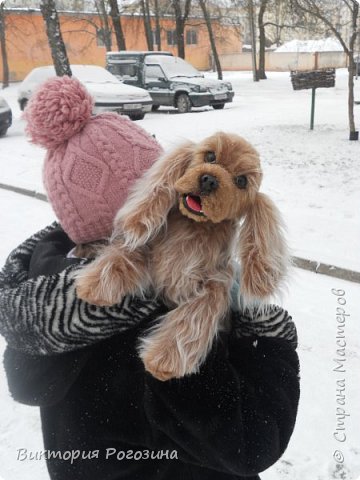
point(208, 184)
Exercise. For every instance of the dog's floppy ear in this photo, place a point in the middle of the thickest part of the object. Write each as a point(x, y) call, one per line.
point(263, 251)
point(147, 207)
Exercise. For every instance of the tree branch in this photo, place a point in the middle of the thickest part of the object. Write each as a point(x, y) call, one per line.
point(313, 9)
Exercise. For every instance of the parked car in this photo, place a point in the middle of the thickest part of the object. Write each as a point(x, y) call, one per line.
point(109, 93)
point(170, 80)
point(5, 116)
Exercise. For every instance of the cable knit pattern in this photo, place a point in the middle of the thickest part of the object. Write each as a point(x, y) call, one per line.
point(43, 316)
point(92, 162)
point(89, 181)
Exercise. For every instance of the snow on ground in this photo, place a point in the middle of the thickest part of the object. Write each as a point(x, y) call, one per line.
point(314, 179)
point(313, 176)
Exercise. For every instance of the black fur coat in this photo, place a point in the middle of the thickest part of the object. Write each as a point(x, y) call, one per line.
point(104, 417)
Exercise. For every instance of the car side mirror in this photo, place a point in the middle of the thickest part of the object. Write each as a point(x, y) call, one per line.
point(162, 79)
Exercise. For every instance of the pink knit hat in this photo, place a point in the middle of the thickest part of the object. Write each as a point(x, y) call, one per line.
point(91, 162)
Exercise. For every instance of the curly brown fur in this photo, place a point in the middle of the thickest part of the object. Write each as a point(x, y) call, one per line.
point(194, 214)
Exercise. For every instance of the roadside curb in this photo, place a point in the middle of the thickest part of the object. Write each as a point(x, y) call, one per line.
point(24, 191)
point(303, 263)
point(326, 269)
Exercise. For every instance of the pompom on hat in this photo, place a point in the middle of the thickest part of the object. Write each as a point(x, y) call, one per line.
point(91, 162)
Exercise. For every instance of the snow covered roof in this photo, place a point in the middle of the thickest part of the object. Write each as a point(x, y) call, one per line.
point(323, 45)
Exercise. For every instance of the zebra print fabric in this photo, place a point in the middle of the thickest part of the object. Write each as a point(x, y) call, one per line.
point(43, 316)
point(273, 321)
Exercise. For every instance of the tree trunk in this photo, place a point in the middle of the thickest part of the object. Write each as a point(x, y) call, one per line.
point(5, 64)
point(157, 25)
point(179, 28)
point(277, 21)
point(116, 21)
point(211, 38)
point(351, 94)
point(56, 43)
point(261, 70)
point(180, 20)
point(352, 67)
point(147, 25)
point(105, 25)
point(253, 39)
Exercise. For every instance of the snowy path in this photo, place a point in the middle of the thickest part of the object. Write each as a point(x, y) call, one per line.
point(314, 177)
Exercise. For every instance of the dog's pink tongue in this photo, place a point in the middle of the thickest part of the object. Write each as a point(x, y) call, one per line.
point(193, 203)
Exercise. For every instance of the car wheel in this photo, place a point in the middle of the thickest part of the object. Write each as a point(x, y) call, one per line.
point(218, 106)
point(23, 104)
point(3, 132)
point(137, 116)
point(155, 107)
point(183, 103)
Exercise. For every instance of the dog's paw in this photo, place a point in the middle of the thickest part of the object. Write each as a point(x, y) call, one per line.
point(93, 287)
point(105, 281)
point(90, 293)
point(164, 361)
point(110, 277)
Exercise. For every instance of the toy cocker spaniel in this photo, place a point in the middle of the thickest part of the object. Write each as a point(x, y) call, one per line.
point(189, 217)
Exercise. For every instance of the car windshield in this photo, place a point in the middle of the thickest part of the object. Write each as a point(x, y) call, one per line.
point(93, 74)
point(84, 73)
point(177, 67)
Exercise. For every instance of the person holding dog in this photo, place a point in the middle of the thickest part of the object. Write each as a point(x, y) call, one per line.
point(79, 363)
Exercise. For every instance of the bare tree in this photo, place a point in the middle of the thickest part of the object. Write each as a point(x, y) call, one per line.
point(211, 38)
point(278, 16)
point(250, 7)
point(145, 10)
point(180, 20)
point(5, 64)
point(324, 11)
point(284, 19)
point(262, 39)
point(104, 20)
point(56, 43)
point(157, 24)
point(116, 21)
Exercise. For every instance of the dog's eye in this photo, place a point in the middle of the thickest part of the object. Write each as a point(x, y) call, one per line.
point(241, 181)
point(210, 157)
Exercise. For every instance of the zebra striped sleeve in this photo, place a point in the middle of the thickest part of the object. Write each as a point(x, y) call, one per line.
point(273, 321)
point(43, 316)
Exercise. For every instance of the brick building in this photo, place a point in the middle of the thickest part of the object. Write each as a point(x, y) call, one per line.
point(27, 44)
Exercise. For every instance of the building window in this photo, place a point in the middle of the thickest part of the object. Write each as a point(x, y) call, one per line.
point(155, 37)
point(191, 37)
point(100, 37)
point(171, 37)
